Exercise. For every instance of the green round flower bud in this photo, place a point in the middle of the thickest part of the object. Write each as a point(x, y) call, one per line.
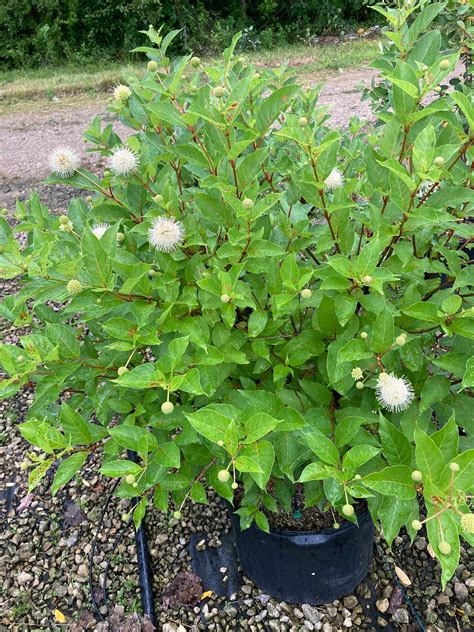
point(444, 547)
point(121, 370)
point(467, 522)
point(257, 75)
point(444, 64)
point(454, 467)
point(437, 89)
point(225, 298)
point(367, 279)
point(364, 334)
point(348, 510)
point(130, 479)
point(247, 203)
point(234, 485)
point(24, 465)
point(195, 62)
point(20, 358)
point(416, 476)
point(74, 286)
point(193, 89)
point(120, 237)
point(219, 92)
point(89, 198)
point(336, 526)
point(303, 121)
point(107, 173)
point(220, 443)
point(152, 66)
point(416, 524)
point(306, 293)
point(223, 476)
point(359, 385)
point(167, 408)
point(401, 340)
point(158, 198)
point(177, 515)
point(125, 517)
point(135, 485)
point(64, 219)
point(439, 161)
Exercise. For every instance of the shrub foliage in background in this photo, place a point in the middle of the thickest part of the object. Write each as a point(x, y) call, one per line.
point(52, 31)
point(251, 297)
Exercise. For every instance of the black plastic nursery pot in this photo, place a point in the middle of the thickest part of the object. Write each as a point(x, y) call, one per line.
point(313, 567)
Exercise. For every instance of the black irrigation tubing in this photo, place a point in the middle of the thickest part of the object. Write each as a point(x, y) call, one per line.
point(143, 560)
point(145, 575)
point(389, 566)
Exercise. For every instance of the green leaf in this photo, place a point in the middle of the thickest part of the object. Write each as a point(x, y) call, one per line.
point(258, 426)
point(142, 376)
point(357, 456)
point(314, 472)
point(435, 389)
point(67, 469)
point(167, 454)
point(117, 468)
point(262, 521)
point(134, 438)
point(395, 446)
point(354, 350)
point(447, 439)
point(444, 528)
point(424, 311)
point(140, 511)
point(394, 513)
point(383, 336)
point(392, 481)
point(211, 422)
point(429, 459)
point(323, 447)
point(38, 473)
point(468, 379)
point(257, 322)
point(262, 453)
point(273, 105)
point(65, 338)
point(246, 464)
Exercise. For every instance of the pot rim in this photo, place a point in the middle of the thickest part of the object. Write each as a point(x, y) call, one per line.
point(344, 527)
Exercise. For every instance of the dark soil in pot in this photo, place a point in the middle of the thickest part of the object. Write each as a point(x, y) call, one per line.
point(306, 560)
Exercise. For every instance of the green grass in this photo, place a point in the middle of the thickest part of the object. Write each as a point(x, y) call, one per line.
point(46, 83)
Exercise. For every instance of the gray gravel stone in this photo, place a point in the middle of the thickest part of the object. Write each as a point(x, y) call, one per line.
point(401, 616)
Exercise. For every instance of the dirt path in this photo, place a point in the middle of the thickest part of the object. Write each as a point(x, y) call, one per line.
point(28, 136)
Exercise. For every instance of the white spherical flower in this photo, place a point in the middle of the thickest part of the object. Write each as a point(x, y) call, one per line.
point(64, 162)
point(99, 230)
point(121, 92)
point(394, 393)
point(335, 179)
point(357, 373)
point(123, 161)
point(166, 234)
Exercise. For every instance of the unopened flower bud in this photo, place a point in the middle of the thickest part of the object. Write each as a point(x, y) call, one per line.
point(439, 161)
point(64, 219)
point(121, 370)
point(348, 510)
point(234, 485)
point(195, 62)
point(130, 479)
point(193, 89)
point(125, 517)
point(367, 279)
point(20, 358)
point(152, 66)
point(223, 476)
point(467, 522)
point(220, 443)
point(364, 334)
point(416, 476)
point(437, 89)
point(89, 198)
point(158, 198)
point(219, 92)
point(306, 293)
point(401, 340)
point(444, 64)
point(177, 515)
point(225, 298)
point(444, 547)
point(247, 203)
point(74, 286)
point(359, 385)
point(24, 465)
point(416, 524)
point(454, 467)
point(167, 408)
point(120, 237)
point(303, 121)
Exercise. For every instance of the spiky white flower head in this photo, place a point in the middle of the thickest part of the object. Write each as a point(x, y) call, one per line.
point(166, 234)
point(121, 92)
point(99, 230)
point(357, 373)
point(467, 522)
point(64, 161)
point(394, 393)
point(123, 161)
point(335, 179)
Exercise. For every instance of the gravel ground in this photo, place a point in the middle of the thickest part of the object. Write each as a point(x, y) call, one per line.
point(45, 543)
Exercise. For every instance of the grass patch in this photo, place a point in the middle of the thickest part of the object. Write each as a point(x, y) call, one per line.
point(47, 83)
